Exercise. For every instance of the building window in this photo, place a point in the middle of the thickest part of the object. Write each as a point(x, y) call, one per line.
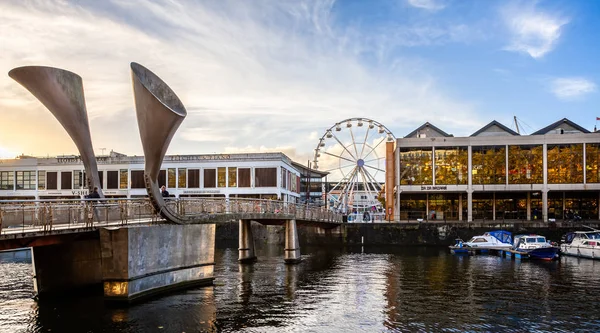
point(451, 166)
point(565, 164)
point(265, 177)
point(243, 177)
point(66, 182)
point(181, 179)
point(283, 178)
point(525, 164)
point(210, 176)
point(194, 178)
point(25, 180)
point(41, 180)
point(137, 179)
point(171, 178)
point(415, 166)
point(123, 179)
point(101, 175)
point(222, 175)
point(7, 180)
point(51, 180)
point(78, 179)
point(112, 180)
point(592, 160)
point(232, 177)
point(489, 164)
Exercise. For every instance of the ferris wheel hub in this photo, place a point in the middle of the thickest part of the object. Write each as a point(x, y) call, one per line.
point(360, 163)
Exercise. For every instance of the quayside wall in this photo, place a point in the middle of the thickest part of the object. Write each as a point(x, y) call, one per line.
point(403, 234)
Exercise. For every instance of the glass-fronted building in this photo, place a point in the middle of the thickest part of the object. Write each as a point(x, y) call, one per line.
point(498, 174)
point(258, 175)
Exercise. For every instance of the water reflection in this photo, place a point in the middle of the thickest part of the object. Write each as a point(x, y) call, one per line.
point(333, 290)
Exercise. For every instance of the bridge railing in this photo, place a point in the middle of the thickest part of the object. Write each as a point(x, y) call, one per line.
point(252, 207)
point(49, 214)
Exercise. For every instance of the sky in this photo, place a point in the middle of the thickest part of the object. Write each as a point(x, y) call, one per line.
point(259, 76)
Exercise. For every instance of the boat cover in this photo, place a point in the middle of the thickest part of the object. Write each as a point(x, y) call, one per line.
point(501, 235)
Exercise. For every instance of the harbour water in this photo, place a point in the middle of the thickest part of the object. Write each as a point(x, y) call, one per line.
point(396, 289)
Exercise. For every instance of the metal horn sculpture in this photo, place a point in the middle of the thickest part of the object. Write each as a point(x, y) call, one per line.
point(159, 113)
point(61, 92)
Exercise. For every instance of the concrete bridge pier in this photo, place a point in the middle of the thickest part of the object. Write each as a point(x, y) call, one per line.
point(246, 249)
point(66, 267)
point(292, 243)
point(142, 261)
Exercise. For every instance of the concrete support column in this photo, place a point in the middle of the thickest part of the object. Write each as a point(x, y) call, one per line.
point(66, 267)
point(528, 206)
point(292, 243)
point(494, 206)
point(545, 205)
point(246, 249)
point(460, 207)
point(469, 206)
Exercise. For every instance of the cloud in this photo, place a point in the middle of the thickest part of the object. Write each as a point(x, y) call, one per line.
point(432, 5)
point(532, 31)
point(251, 74)
point(570, 88)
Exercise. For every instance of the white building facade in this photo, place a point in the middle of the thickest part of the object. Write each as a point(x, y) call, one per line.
point(254, 175)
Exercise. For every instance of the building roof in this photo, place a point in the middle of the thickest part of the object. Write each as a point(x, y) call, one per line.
point(304, 170)
point(488, 130)
point(426, 127)
point(557, 125)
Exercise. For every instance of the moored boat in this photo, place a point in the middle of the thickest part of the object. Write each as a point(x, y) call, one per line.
point(492, 240)
point(536, 246)
point(584, 244)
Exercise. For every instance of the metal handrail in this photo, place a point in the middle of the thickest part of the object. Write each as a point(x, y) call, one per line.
point(49, 214)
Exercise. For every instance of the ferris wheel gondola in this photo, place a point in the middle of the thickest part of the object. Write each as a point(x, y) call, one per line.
point(352, 152)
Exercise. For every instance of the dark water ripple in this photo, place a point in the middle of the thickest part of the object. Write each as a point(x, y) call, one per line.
point(381, 290)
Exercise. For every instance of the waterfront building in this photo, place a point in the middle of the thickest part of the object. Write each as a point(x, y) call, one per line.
point(253, 175)
point(498, 174)
point(312, 185)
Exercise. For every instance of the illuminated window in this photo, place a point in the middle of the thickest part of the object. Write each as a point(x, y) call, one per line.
point(451, 165)
point(171, 179)
point(525, 164)
point(123, 179)
point(181, 178)
point(222, 175)
point(232, 177)
point(416, 166)
point(489, 164)
point(565, 164)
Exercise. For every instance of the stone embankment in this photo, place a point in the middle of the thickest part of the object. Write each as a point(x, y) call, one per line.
point(403, 234)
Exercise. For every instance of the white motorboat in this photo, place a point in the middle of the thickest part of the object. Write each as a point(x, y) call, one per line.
point(584, 244)
point(491, 240)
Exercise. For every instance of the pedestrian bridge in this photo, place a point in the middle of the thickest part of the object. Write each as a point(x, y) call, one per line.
point(129, 248)
point(58, 216)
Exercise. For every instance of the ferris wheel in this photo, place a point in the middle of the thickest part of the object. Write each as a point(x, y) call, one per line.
point(353, 153)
